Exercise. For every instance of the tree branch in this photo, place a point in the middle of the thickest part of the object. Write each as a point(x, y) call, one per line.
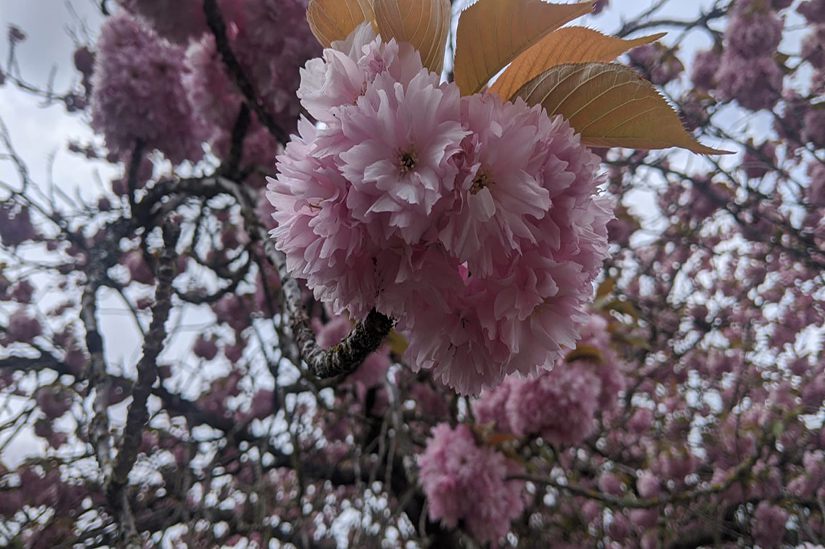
point(99, 426)
point(138, 414)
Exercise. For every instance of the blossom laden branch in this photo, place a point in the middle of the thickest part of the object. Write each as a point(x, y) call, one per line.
point(345, 357)
point(218, 27)
point(740, 473)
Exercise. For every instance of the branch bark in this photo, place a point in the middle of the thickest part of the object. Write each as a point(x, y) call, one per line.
point(345, 357)
point(98, 430)
point(138, 414)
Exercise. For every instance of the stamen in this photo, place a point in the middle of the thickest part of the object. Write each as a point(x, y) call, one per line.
point(482, 181)
point(407, 162)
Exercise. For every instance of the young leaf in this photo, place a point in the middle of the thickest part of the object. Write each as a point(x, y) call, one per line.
point(423, 23)
point(585, 352)
point(397, 343)
point(332, 20)
point(610, 105)
point(564, 46)
point(607, 286)
point(491, 33)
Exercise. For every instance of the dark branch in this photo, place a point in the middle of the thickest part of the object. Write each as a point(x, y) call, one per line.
point(98, 430)
point(138, 414)
point(239, 132)
point(133, 172)
point(345, 357)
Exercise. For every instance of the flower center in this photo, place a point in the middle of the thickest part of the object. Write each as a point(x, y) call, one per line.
point(407, 161)
point(482, 181)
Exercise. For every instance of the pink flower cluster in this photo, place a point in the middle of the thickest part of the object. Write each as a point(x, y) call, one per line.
point(769, 525)
point(657, 63)
point(469, 483)
point(474, 222)
point(16, 225)
point(22, 327)
point(813, 10)
point(139, 94)
point(748, 71)
point(151, 90)
point(561, 404)
point(705, 67)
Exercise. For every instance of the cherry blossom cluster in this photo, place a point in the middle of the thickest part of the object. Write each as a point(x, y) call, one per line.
point(468, 482)
point(139, 97)
point(160, 80)
point(466, 479)
point(175, 20)
point(270, 61)
point(559, 404)
point(474, 222)
point(746, 70)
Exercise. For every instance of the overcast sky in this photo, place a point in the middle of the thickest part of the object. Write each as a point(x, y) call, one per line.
point(53, 28)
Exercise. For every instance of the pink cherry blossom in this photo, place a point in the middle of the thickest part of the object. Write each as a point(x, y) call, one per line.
point(754, 29)
point(269, 59)
point(491, 406)
point(398, 144)
point(501, 188)
point(813, 47)
point(705, 66)
point(22, 327)
point(769, 525)
point(15, 225)
point(139, 270)
point(608, 369)
point(559, 405)
point(473, 222)
point(139, 95)
point(657, 62)
point(53, 402)
point(813, 10)
point(176, 20)
point(755, 83)
point(205, 348)
point(322, 241)
point(648, 485)
point(468, 483)
point(342, 75)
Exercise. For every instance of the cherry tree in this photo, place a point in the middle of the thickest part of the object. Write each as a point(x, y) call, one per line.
point(409, 273)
